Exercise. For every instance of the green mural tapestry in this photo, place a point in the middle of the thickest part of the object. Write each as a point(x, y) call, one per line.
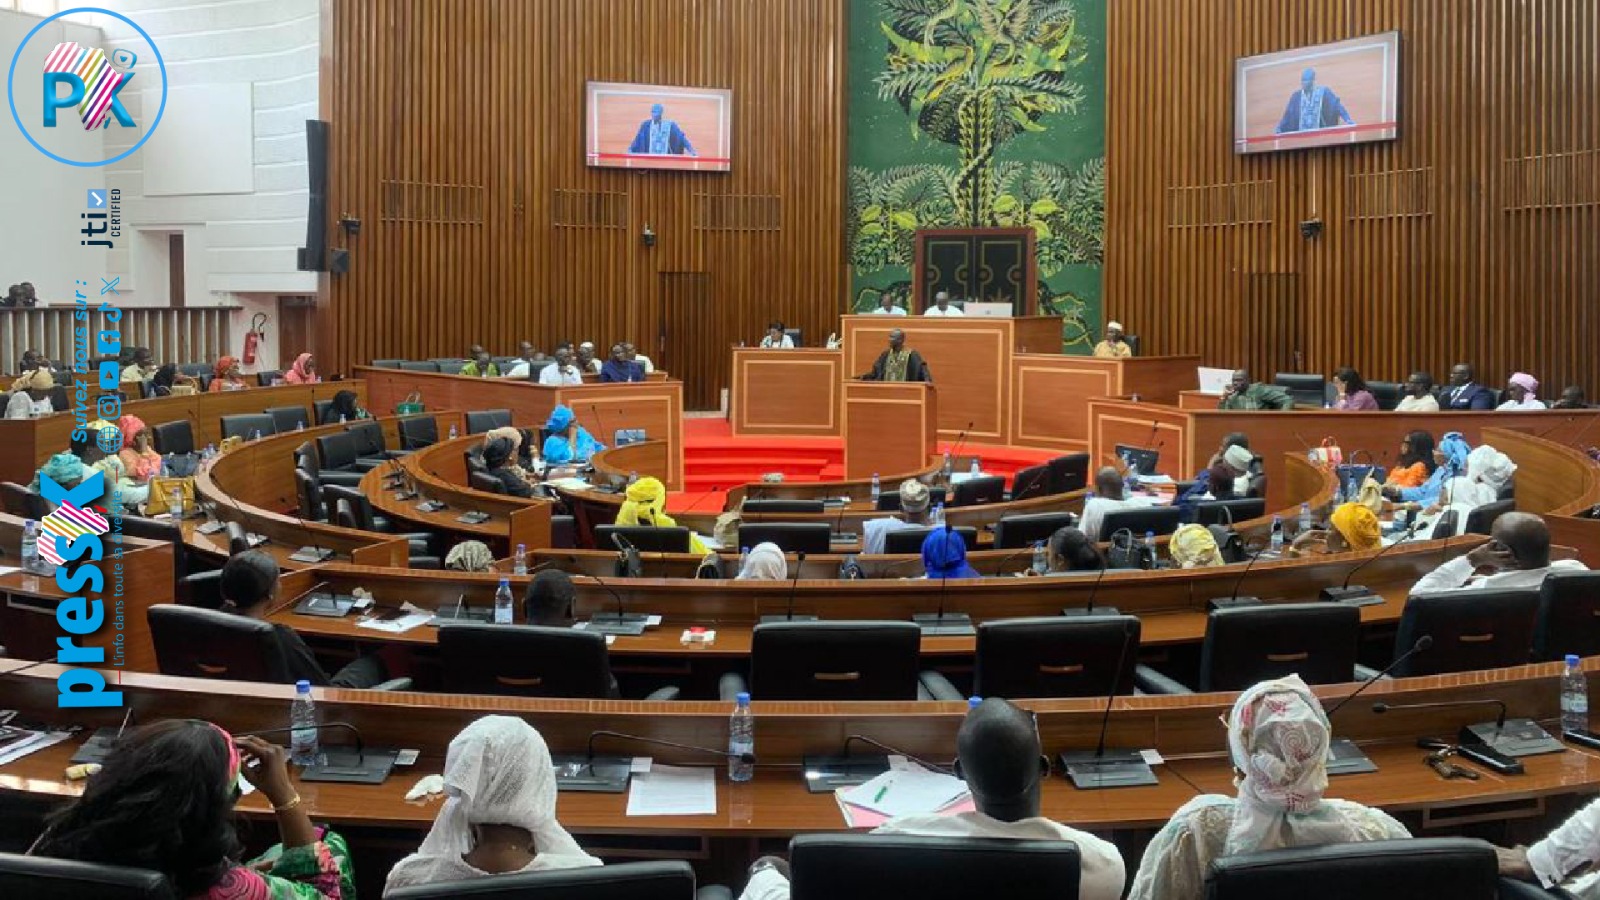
point(979, 113)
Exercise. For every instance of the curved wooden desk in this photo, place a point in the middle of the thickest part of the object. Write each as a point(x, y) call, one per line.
point(439, 473)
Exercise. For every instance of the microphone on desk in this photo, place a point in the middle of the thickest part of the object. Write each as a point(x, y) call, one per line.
point(955, 451)
point(1477, 742)
point(1499, 722)
point(941, 623)
point(1115, 768)
point(894, 751)
point(744, 757)
point(313, 552)
point(1360, 594)
point(599, 422)
point(629, 564)
point(622, 622)
point(1233, 599)
point(800, 561)
point(1423, 643)
point(1088, 608)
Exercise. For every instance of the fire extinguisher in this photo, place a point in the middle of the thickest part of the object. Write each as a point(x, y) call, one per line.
point(254, 337)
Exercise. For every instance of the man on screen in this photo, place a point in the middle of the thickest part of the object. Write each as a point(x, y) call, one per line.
point(1312, 107)
point(661, 137)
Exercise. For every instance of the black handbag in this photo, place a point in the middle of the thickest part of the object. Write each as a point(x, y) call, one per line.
point(182, 465)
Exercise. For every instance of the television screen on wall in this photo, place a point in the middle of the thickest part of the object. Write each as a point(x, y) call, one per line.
point(1319, 96)
point(653, 126)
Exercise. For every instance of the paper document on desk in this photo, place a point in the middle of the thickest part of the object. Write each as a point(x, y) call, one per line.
point(413, 618)
point(31, 743)
point(858, 817)
point(673, 791)
point(907, 792)
point(569, 484)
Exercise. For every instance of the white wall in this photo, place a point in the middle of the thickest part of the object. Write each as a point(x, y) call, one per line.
point(41, 199)
point(239, 246)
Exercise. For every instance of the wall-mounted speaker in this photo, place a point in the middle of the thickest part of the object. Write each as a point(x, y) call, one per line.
point(313, 257)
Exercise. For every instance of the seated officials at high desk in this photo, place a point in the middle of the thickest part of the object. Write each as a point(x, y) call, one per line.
point(941, 307)
point(1242, 393)
point(999, 755)
point(164, 801)
point(886, 306)
point(562, 371)
point(499, 812)
point(1464, 391)
point(1113, 347)
point(529, 361)
point(1517, 555)
point(619, 368)
point(1352, 392)
point(897, 363)
point(584, 358)
point(1278, 737)
point(914, 503)
point(1521, 389)
point(777, 338)
point(1418, 394)
point(633, 355)
point(1571, 398)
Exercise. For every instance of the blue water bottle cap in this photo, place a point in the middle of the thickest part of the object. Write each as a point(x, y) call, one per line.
point(972, 702)
point(302, 686)
point(743, 698)
point(1572, 659)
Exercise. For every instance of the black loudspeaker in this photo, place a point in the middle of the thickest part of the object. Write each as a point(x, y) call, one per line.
point(313, 256)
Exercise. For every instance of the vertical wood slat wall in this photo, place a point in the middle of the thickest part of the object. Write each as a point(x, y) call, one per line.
point(457, 139)
point(1474, 237)
point(182, 335)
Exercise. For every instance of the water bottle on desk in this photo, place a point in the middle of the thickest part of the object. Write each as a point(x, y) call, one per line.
point(877, 488)
point(938, 515)
point(1151, 555)
point(176, 501)
point(519, 561)
point(341, 418)
point(1041, 560)
point(502, 602)
point(1574, 696)
point(976, 468)
point(1277, 534)
point(453, 432)
point(744, 558)
point(949, 467)
point(741, 740)
point(303, 749)
point(1305, 519)
point(30, 546)
point(255, 435)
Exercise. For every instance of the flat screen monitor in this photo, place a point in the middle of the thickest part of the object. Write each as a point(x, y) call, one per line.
point(1324, 95)
point(653, 126)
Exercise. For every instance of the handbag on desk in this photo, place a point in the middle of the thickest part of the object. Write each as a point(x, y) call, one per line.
point(161, 488)
point(410, 406)
point(1328, 454)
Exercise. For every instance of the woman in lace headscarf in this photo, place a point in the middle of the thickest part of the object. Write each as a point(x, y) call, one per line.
point(1278, 738)
point(765, 563)
point(499, 813)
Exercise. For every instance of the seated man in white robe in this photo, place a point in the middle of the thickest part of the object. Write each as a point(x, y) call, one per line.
point(1567, 857)
point(913, 514)
point(998, 746)
point(1517, 554)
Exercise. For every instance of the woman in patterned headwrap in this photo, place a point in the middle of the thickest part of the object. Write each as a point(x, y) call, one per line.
point(164, 801)
point(1278, 738)
point(1194, 547)
point(226, 376)
point(1353, 528)
point(140, 462)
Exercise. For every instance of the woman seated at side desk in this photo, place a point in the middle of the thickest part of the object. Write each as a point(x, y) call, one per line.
point(1352, 527)
point(568, 441)
point(1070, 552)
point(499, 462)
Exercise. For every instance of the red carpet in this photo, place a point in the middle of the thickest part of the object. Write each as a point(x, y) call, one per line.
point(714, 461)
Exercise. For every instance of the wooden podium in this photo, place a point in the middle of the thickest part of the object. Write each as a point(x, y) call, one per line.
point(890, 428)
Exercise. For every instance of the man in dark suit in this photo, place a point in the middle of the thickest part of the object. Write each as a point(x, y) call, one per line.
point(1464, 392)
point(897, 363)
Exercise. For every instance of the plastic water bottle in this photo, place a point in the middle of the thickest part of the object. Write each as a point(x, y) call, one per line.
point(1277, 534)
point(938, 515)
point(303, 721)
point(341, 418)
point(453, 432)
point(1574, 697)
point(1130, 484)
point(976, 469)
point(1305, 518)
point(1150, 552)
point(502, 602)
point(1041, 560)
point(30, 546)
point(255, 435)
point(299, 424)
point(741, 739)
point(949, 466)
point(633, 478)
point(176, 501)
point(519, 560)
point(877, 488)
point(744, 558)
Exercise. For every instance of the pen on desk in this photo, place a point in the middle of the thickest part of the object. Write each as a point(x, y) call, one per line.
point(881, 791)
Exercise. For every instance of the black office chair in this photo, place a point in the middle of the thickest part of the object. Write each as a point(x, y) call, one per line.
point(370, 443)
point(247, 426)
point(387, 363)
point(645, 538)
point(288, 418)
point(983, 489)
point(336, 452)
point(782, 506)
point(796, 335)
point(1307, 389)
point(238, 538)
point(481, 480)
point(871, 866)
point(1033, 481)
point(265, 379)
point(529, 661)
point(319, 409)
point(1472, 628)
point(1158, 519)
point(1050, 656)
point(656, 880)
point(1459, 868)
point(888, 501)
point(420, 365)
point(19, 501)
point(481, 420)
point(792, 537)
point(1568, 620)
point(1249, 644)
point(1387, 393)
point(192, 642)
point(308, 494)
point(909, 540)
point(173, 437)
point(1227, 512)
point(45, 878)
point(305, 460)
point(1069, 473)
point(451, 366)
point(201, 589)
point(195, 370)
point(1445, 525)
point(1013, 532)
point(417, 432)
point(1481, 519)
point(831, 661)
point(356, 512)
point(164, 530)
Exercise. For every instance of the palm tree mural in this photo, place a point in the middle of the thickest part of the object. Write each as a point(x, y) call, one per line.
point(976, 73)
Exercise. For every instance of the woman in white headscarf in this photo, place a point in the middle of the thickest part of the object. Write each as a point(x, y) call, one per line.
point(499, 813)
point(765, 563)
point(1487, 471)
point(1278, 738)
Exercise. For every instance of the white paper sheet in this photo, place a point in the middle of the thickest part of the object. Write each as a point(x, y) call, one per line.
point(907, 792)
point(32, 744)
point(413, 618)
point(673, 791)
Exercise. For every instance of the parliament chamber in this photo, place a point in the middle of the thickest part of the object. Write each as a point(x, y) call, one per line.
point(1041, 459)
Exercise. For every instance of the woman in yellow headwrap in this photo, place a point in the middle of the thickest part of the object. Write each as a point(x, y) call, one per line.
point(646, 505)
point(1193, 547)
point(1355, 529)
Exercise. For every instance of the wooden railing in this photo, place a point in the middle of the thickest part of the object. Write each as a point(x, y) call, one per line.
point(173, 335)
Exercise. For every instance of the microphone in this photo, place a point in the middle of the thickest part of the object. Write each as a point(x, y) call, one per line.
point(940, 624)
point(313, 552)
point(800, 557)
point(1422, 644)
point(599, 422)
point(434, 505)
point(895, 751)
point(1499, 721)
point(955, 451)
point(1344, 757)
point(296, 598)
point(1088, 609)
point(251, 538)
point(1119, 768)
point(628, 562)
point(1479, 742)
point(343, 770)
point(1233, 599)
point(1360, 595)
point(662, 742)
point(622, 622)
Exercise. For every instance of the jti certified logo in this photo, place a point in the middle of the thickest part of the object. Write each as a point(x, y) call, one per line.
point(87, 81)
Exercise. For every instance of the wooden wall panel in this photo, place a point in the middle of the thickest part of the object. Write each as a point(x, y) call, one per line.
point(458, 141)
point(1473, 237)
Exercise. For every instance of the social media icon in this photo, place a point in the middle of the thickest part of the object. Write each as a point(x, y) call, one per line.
point(97, 198)
point(124, 59)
